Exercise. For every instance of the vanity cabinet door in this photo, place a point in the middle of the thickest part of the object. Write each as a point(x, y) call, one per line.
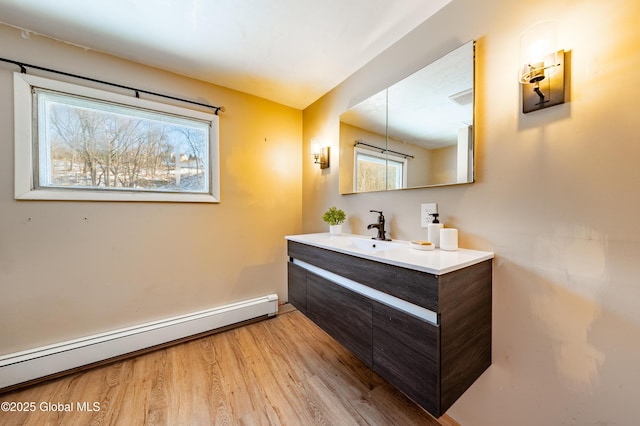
point(297, 287)
point(343, 314)
point(406, 353)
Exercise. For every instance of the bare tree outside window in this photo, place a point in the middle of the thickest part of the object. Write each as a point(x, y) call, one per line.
point(377, 173)
point(89, 144)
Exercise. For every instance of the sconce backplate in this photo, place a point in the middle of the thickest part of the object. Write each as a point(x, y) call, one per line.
point(324, 158)
point(551, 89)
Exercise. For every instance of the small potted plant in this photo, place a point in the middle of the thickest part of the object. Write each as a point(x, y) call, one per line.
point(334, 217)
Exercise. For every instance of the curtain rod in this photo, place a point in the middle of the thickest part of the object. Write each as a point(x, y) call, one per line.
point(23, 69)
point(359, 142)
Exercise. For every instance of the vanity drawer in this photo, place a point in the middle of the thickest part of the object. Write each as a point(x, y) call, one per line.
point(419, 288)
point(343, 314)
point(406, 352)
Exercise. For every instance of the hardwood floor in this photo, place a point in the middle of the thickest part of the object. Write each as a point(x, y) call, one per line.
point(282, 371)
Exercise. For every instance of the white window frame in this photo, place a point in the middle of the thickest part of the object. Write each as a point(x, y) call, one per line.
point(24, 128)
point(386, 157)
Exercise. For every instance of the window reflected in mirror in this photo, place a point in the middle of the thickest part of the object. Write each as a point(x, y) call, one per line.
point(376, 171)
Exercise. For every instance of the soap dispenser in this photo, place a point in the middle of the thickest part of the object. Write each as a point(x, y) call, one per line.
point(433, 230)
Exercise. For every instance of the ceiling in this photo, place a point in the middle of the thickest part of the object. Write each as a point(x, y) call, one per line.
point(288, 51)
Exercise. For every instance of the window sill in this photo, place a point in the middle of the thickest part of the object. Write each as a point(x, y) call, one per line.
point(86, 195)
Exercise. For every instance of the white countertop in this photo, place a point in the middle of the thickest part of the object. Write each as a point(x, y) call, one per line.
point(397, 252)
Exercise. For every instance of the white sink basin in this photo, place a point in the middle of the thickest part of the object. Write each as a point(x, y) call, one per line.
point(370, 245)
point(396, 252)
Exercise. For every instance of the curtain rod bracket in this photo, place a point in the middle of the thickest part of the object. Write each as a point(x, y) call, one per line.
point(23, 70)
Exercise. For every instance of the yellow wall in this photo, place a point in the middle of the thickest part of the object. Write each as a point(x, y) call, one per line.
point(556, 198)
point(444, 165)
point(63, 277)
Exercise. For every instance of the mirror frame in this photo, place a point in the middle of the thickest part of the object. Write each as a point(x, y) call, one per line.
point(380, 136)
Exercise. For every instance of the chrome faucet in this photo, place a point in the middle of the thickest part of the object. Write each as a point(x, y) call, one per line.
point(379, 226)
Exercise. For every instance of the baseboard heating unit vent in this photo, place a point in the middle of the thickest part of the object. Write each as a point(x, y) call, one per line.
point(25, 366)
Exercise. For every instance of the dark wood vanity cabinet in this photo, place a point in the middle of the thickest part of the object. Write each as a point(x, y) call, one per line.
point(433, 363)
point(406, 353)
point(343, 314)
point(297, 285)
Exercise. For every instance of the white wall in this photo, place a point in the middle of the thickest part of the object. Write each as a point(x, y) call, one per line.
point(556, 199)
point(71, 269)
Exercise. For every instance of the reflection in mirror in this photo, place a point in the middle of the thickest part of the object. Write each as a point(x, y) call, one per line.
point(416, 133)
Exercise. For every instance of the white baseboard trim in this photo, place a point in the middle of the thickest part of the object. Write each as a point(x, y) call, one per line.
point(20, 367)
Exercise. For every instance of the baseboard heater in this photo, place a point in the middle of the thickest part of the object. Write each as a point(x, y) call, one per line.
point(26, 366)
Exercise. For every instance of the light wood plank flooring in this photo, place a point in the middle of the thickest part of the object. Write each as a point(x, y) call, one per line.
point(282, 371)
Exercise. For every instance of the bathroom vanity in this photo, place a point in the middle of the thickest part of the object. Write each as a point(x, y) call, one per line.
point(420, 319)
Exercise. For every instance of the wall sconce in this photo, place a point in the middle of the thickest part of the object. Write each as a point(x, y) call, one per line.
point(320, 156)
point(542, 72)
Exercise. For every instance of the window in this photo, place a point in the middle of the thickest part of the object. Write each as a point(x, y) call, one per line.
point(77, 143)
point(376, 171)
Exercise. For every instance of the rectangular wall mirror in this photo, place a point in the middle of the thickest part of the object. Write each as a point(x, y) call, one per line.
point(414, 134)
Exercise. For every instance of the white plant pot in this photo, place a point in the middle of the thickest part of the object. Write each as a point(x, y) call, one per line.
point(335, 229)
